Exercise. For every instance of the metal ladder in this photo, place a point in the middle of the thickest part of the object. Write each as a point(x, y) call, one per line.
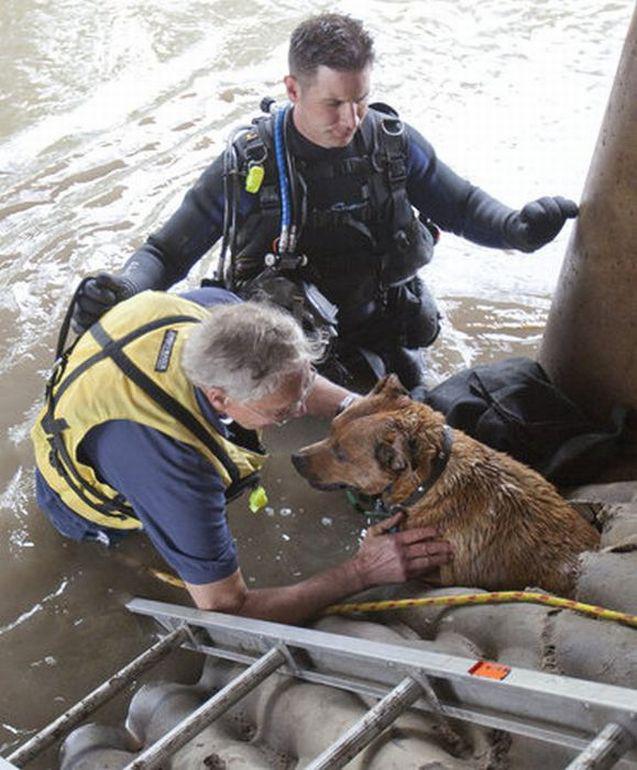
point(598, 720)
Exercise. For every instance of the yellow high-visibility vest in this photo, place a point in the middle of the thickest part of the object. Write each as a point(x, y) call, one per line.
point(128, 367)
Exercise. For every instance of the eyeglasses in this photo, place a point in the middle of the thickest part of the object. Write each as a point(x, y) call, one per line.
point(284, 415)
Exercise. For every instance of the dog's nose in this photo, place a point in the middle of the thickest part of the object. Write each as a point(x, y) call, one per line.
point(299, 461)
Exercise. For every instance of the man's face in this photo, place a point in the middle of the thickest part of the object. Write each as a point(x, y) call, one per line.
point(286, 402)
point(330, 105)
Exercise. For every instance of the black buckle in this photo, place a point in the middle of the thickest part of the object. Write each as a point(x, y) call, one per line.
point(396, 170)
point(256, 153)
point(269, 197)
point(53, 427)
point(393, 126)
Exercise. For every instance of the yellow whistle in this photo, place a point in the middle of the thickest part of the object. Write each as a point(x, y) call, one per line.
point(254, 178)
point(258, 499)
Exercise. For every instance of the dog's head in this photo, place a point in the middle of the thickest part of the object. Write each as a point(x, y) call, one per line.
point(384, 438)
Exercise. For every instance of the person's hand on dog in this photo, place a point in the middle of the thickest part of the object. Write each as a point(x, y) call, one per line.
point(394, 558)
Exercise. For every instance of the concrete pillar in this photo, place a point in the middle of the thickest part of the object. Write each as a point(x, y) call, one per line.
point(590, 343)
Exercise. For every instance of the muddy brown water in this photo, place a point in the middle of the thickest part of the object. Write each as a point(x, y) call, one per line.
point(108, 112)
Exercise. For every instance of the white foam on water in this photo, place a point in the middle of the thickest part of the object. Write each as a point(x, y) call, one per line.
point(37, 607)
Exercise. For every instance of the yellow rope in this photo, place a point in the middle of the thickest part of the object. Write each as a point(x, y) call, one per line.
point(166, 577)
point(459, 600)
point(496, 597)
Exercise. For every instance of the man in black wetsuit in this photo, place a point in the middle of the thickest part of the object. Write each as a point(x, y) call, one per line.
point(355, 170)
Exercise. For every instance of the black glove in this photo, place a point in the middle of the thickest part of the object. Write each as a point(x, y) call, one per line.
point(99, 295)
point(538, 222)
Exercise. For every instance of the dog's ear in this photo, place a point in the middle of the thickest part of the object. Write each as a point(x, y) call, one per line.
point(390, 387)
point(420, 455)
point(392, 453)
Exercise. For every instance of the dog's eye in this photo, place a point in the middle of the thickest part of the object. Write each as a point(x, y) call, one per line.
point(339, 453)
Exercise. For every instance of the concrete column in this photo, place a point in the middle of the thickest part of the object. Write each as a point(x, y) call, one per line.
point(590, 343)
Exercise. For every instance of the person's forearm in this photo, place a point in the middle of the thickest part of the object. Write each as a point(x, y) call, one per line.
point(325, 398)
point(298, 603)
point(382, 558)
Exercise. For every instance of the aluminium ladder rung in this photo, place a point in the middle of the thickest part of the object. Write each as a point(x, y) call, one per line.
point(218, 704)
point(100, 695)
point(368, 726)
point(605, 750)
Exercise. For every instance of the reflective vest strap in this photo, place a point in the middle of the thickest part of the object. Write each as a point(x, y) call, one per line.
point(62, 461)
point(113, 349)
point(139, 332)
point(116, 507)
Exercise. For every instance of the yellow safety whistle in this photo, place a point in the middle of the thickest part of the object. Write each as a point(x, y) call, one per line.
point(254, 178)
point(258, 499)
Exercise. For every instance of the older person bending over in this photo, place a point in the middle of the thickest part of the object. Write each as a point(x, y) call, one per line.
point(152, 424)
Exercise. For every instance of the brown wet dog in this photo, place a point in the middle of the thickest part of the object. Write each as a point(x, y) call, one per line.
point(509, 527)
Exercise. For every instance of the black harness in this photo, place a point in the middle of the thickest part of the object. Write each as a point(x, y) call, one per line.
point(352, 215)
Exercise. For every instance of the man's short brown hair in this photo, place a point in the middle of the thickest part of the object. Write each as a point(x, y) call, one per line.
point(333, 40)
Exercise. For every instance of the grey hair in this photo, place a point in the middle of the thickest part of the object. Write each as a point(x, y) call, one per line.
point(246, 350)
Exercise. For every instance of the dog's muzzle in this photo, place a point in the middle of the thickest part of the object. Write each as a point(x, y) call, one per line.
point(302, 463)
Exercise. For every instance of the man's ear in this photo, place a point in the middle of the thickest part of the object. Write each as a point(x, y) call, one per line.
point(218, 399)
point(292, 88)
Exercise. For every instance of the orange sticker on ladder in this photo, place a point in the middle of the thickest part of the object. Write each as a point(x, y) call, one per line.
point(490, 670)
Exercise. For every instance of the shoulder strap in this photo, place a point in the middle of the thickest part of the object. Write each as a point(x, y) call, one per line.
point(391, 155)
point(114, 349)
point(390, 142)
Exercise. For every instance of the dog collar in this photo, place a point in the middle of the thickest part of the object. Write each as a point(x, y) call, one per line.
point(437, 469)
point(375, 508)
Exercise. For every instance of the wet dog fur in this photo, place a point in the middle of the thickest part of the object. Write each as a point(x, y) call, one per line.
point(509, 527)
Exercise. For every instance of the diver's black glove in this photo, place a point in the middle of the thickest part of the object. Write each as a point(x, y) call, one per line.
point(98, 295)
point(537, 223)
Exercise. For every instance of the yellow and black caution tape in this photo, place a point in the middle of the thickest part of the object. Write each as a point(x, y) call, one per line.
point(458, 600)
point(495, 597)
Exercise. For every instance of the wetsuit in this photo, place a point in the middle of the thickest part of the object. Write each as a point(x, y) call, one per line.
point(406, 316)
